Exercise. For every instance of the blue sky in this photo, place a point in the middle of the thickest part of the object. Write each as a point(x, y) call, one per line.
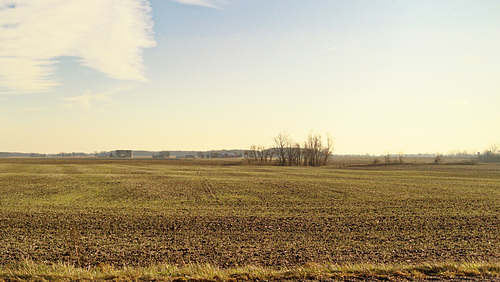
point(379, 76)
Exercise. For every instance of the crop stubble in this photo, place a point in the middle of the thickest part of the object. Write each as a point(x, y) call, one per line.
point(141, 213)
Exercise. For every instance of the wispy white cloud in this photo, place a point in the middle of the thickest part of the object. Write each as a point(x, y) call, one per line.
point(205, 3)
point(86, 99)
point(107, 35)
point(327, 50)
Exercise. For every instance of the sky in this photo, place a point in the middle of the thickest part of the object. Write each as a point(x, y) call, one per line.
point(380, 76)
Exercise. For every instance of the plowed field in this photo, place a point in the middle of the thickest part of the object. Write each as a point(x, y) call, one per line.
point(144, 212)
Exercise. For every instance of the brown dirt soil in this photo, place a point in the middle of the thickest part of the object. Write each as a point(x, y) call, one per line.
point(139, 239)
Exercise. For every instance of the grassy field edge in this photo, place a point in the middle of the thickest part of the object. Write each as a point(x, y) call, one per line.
point(32, 271)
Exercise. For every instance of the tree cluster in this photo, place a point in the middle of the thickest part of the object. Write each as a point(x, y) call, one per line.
point(162, 155)
point(315, 151)
point(260, 153)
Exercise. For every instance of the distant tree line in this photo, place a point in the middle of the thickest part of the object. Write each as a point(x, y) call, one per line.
point(314, 151)
point(162, 155)
point(220, 154)
point(490, 155)
point(72, 154)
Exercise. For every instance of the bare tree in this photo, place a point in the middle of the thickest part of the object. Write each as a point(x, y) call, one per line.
point(438, 158)
point(315, 152)
point(494, 149)
point(290, 153)
point(328, 149)
point(400, 157)
point(309, 149)
point(251, 154)
point(261, 153)
point(280, 145)
point(387, 158)
point(297, 154)
point(269, 154)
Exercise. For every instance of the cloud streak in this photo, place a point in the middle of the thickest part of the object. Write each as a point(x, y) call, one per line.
point(205, 3)
point(85, 100)
point(107, 35)
point(327, 50)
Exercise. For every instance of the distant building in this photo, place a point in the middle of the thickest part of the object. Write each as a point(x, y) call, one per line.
point(127, 154)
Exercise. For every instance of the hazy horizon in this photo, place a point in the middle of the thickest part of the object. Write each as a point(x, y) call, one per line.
point(334, 153)
point(198, 75)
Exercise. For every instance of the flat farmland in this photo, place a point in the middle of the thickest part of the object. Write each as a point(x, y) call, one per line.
point(145, 212)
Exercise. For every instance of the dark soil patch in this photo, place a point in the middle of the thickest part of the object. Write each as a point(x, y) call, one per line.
point(119, 238)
